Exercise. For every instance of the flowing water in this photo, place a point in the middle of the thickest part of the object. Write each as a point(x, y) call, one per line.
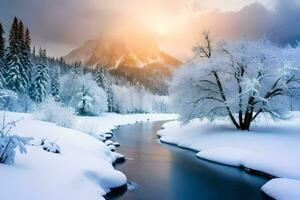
point(158, 171)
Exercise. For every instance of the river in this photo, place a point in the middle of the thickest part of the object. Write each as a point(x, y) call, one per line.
point(157, 171)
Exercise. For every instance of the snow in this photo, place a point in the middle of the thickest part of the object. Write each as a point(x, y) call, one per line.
point(282, 189)
point(83, 168)
point(271, 147)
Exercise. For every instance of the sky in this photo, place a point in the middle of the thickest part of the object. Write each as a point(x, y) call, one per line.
point(62, 25)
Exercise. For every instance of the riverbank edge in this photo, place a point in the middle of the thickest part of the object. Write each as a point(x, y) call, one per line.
point(247, 169)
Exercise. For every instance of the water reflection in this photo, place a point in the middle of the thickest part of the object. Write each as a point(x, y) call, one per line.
point(166, 172)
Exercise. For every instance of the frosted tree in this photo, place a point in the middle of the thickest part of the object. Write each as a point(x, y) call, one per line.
point(74, 91)
point(110, 97)
point(239, 80)
point(100, 78)
point(85, 104)
point(76, 68)
point(103, 80)
point(55, 84)
point(41, 79)
point(2, 58)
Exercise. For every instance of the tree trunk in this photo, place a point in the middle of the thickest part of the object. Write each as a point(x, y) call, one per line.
point(247, 121)
point(224, 100)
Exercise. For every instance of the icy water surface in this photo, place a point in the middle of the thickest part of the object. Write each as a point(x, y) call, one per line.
point(158, 171)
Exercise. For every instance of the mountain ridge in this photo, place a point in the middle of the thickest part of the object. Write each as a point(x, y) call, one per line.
point(135, 56)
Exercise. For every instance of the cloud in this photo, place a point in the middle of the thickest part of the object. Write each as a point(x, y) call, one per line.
point(285, 22)
point(279, 22)
point(65, 24)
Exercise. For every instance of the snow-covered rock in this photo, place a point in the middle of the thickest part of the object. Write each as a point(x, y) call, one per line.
point(112, 147)
point(50, 146)
point(117, 144)
point(119, 157)
point(108, 142)
point(108, 135)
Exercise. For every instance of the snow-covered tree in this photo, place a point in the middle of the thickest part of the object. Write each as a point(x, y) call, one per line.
point(239, 80)
point(110, 97)
point(23, 55)
point(55, 84)
point(104, 81)
point(41, 79)
point(100, 78)
point(75, 89)
point(85, 102)
point(16, 76)
point(9, 143)
point(76, 68)
point(138, 100)
point(26, 58)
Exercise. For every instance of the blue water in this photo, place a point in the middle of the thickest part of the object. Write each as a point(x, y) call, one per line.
point(158, 171)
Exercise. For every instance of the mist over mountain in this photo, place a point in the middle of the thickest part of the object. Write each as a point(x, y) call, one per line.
point(134, 55)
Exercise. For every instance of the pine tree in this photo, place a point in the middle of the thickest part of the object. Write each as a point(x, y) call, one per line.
point(85, 103)
point(110, 97)
point(41, 79)
point(15, 77)
point(55, 84)
point(100, 78)
point(13, 37)
point(103, 81)
point(27, 56)
point(2, 58)
point(77, 69)
point(2, 42)
point(24, 54)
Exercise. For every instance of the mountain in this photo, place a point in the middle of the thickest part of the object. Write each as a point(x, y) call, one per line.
point(136, 56)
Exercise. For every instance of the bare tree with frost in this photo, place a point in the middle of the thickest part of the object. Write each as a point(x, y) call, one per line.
point(239, 80)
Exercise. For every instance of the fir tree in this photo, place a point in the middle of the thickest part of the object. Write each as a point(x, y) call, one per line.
point(15, 77)
point(100, 78)
point(2, 58)
point(27, 56)
point(23, 54)
point(110, 97)
point(55, 84)
point(85, 102)
point(41, 79)
point(13, 37)
point(77, 69)
point(103, 81)
point(2, 42)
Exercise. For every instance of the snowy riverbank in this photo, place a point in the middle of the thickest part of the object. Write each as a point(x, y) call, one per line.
point(82, 170)
point(271, 147)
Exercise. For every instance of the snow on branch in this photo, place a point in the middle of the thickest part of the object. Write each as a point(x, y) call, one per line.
point(239, 80)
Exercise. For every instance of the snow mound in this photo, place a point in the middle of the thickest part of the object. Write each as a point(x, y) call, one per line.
point(83, 170)
point(270, 147)
point(282, 189)
point(225, 155)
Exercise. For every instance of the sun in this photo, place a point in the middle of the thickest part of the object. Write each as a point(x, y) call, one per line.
point(160, 26)
point(162, 30)
point(165, 25)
